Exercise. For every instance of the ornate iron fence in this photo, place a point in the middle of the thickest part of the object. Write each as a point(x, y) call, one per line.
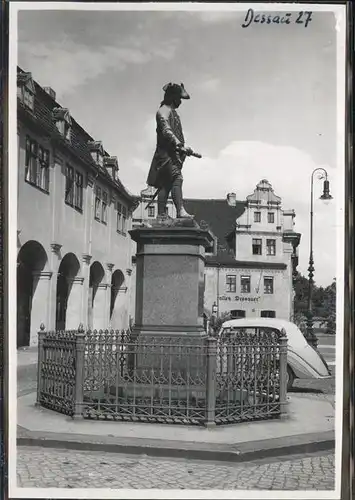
point(114, 375)
point(251, 374)
point(56, 378)
point(160, 379)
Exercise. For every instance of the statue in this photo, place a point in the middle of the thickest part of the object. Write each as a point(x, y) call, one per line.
point(170, 153)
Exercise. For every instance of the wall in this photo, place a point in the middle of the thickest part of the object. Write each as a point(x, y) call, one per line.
point(60, 230)
point(255, 301)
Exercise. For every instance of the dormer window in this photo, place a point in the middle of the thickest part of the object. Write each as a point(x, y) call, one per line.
point(26, 90)
point(111, 165)
point(97, 152)
point(62, 119)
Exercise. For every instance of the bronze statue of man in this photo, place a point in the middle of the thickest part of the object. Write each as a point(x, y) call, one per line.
point(170, 153)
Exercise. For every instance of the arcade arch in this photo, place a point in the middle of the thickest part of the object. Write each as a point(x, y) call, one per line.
point(31, 293)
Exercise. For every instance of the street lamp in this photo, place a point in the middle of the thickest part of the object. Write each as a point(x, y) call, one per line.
point(326, 196)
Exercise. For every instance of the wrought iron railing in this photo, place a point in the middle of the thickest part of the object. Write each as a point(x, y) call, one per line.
point(57, 370)
point(115, 375)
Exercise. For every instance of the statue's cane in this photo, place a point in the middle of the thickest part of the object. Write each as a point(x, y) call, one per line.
point(196, 155)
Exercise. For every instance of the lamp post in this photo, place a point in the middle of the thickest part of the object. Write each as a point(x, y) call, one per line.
point(310, 337)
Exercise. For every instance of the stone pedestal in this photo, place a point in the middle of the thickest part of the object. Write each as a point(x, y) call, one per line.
point(169, 326)
point(170, 263)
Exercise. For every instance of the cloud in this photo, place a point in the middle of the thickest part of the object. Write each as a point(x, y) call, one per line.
point(66, 65)
point(241, 165)
point(209, 85)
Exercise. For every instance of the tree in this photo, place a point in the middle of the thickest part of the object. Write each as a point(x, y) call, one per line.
point(330, 307)
point(301, 294)
point(323, 303)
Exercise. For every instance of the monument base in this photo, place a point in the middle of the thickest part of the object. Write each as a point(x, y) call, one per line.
point(168, 364)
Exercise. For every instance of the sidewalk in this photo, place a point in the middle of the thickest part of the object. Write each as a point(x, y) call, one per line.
point(239, 442)
point(27, 358)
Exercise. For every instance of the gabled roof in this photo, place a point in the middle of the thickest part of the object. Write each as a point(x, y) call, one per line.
point(42, 118)
point(221, 219)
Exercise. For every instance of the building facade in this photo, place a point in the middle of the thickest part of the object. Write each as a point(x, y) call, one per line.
point(258, 281)
point(74, 260)
point(250, 271)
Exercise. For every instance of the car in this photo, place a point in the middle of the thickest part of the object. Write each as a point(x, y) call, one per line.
point(303, 360)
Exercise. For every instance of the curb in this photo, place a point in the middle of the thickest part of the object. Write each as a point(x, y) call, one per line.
point(243, 452)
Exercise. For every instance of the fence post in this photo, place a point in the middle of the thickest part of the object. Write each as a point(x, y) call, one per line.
point(211, 381)
point(283, 373)
point(41, 335)
point(79, 372)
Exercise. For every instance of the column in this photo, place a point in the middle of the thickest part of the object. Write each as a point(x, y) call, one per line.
point(86, 258)
point(109, 268)
point(56, 257)
point(100, 318)
point(40, 303)
point(74, 315)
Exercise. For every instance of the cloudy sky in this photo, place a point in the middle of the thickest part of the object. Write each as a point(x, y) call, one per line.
point(263, 99)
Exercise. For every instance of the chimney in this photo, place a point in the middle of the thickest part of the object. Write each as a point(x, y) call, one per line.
point(50, 92)
point(231, 199)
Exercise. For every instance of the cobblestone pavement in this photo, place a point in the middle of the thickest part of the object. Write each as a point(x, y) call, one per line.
point(49, 468)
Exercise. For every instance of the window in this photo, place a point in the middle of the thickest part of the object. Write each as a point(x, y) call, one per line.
point(26, 90)
point(231, 282)
point(121, 218)
point(271, 217)
point(124, 219)
point(104, 208)
point(237, 313)
point(257, 246)
point(37, 165)
point(73, 188)
point(101, 203)
point(257, 216)
point(270, 247)
point(69, 185)
point(245, 284)
point(62, 119)
point(97, 203)
point(78, 199)
point(269, 285)
point(151, 211)
point(28, 97)
point(268, 314)
point(97, 152)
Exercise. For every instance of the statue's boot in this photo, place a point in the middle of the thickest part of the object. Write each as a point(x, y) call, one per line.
point(163, 217)
point(184, 215)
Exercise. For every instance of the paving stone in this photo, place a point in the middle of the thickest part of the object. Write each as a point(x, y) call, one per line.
point(44, 467)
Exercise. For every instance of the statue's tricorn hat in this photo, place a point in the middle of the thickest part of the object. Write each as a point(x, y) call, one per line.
point(176, 89)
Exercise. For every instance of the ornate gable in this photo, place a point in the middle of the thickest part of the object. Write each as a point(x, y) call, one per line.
point(263, 195)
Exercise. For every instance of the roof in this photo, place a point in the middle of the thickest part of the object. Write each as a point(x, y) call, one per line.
point(221, 219)
point(78, 146)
